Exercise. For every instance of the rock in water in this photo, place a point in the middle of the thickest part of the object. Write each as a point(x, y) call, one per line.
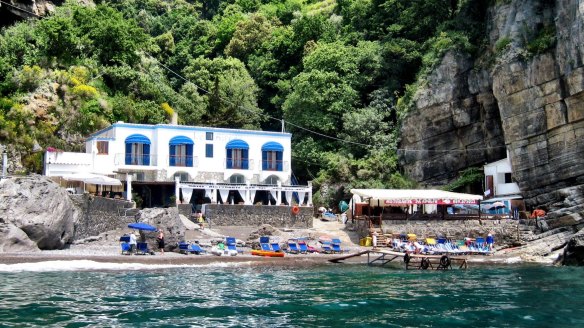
point(36, 213)
point(574, 251)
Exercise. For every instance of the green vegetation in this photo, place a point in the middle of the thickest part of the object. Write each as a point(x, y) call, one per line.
point(545, 40)
point(347, 69)
point(467, 177)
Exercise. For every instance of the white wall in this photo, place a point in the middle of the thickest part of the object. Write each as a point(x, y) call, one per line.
point(161, 134)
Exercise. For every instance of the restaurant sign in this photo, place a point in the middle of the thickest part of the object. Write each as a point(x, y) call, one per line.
point(419, 201)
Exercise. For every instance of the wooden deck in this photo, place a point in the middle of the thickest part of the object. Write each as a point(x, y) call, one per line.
point(411, 261)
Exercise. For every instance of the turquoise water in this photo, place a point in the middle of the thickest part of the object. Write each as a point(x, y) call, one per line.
point(325, 296)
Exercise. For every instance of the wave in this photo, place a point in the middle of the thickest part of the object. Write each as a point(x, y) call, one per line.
point(88, 265)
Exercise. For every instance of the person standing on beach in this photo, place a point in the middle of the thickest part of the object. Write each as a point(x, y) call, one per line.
point(160, 239)
point(132, 242)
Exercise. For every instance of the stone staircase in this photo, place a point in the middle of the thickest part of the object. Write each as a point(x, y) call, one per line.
point(382, 239)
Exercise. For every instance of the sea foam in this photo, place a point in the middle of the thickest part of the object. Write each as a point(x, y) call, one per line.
point(87, 265)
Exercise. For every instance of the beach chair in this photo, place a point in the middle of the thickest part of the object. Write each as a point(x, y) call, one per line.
point(303, 247)
point(265, 243)
point(326, 248)
point(336, 245)
point(232, 244)
point(293, 248)
point(124, 244)
point(183, 248)
point(275, 247)
point(196, 249)
point(142, 249)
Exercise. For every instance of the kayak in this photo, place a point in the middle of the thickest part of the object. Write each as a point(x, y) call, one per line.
point(267, 253)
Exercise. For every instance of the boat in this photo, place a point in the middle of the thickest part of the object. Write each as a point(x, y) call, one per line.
point(259, 252)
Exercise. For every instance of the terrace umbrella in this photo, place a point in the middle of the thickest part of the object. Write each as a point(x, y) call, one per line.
point(497, 206)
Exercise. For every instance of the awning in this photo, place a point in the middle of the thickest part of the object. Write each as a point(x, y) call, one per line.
point(381, 197)
point(138, 138)
point(237, 144)
point(93, 179)
point(181, 140)
point(272, 146)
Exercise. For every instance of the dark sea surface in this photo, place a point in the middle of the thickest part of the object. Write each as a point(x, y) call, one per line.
point(84, 293)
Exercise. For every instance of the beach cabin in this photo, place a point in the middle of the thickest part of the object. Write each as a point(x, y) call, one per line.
point(165, 163)
point(502, 194)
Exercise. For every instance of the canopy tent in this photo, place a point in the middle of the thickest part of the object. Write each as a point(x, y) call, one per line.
point(388, 197)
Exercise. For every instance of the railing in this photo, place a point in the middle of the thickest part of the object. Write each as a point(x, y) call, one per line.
point(238, 163)
point(136, 159)
point(183, 161)
point(272, 165)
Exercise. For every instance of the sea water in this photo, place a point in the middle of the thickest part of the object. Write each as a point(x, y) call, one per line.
point(85, 293)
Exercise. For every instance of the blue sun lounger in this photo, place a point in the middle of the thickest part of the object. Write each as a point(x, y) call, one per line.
point(196, 249)
point(303, 246)
point(124, 244)
point(232, 245)
point(293, 248)
point(142, 249)
point(276, 247)
point(326, 248)
point(265, 243)
point(336, 245)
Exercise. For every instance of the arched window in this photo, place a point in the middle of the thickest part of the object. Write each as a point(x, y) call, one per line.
point(181, 151)
point(272, 180)
point(272, 155)
point(237, 178)
point(137, 150)
point(237, 154)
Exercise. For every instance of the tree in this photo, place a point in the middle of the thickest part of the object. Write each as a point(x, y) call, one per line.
point(229, 93)
point(249, 36)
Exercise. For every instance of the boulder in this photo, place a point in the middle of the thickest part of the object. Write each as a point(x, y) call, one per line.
point(15, 240)
point(574, 250)
point(166, 219)
point(41, 209)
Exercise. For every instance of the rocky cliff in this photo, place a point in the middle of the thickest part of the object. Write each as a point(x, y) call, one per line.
point(523, 95)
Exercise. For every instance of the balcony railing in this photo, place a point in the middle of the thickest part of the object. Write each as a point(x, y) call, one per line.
point(136, 159)
point(238, 163)
point(271, 165)
point(182, 161)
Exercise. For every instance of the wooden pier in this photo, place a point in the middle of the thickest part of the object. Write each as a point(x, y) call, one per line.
point(411, 261)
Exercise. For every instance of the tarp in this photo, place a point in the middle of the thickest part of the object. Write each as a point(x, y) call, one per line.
point(141, 226)
point(381, 197)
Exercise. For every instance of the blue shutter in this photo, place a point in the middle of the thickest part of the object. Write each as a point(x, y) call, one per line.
point(279, 159)
point(189, 155)
point(146, 152)
point(128, 153)
point(264, 160)
point(172, 155)
point(229, 159)
point(244, 159)
point(209, 151)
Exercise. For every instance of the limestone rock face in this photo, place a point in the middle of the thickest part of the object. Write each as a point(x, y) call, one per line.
point(574, 251)
point(36, 213)
point(166, 219)
point(529, 104)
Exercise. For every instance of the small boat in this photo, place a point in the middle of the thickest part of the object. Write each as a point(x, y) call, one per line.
point(259, 252)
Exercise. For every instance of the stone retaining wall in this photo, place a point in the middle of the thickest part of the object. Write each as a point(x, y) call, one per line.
point(101, 214)
point(251, 215)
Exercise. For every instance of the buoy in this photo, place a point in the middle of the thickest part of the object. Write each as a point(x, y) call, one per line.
point(445, 261)
point(425, 263)
point(295, 210)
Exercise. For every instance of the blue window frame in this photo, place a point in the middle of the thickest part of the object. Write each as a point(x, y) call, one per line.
point(237, 154)
point(181, 151)
point(209, 150)
point(209, 136)
point(272, 156)
point(137, 150)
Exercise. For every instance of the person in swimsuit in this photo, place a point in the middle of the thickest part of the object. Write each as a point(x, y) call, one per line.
point(160, 239)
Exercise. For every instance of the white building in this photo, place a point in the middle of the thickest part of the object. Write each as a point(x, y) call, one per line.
point(157, 156)
point(498, 179)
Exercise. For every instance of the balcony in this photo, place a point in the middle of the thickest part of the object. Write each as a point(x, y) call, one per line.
point(135, 159)
point(238, 163)
point(277, 166)
point(182, 161)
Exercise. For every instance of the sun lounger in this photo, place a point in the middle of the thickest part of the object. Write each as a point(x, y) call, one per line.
point(142, 249)
point(326, 248)
point(293, 248)
point(183, 248)
point(124, 244)
point(275, 247)
point(232, 244)
point(303, 247)
point(196, 249)
point(265, 246)
point(336, 245)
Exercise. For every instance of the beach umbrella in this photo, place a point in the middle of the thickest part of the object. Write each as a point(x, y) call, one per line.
point(142, 226)
point(497, 205)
